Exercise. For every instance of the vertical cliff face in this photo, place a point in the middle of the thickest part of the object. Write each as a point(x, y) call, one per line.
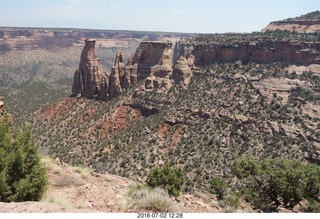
point(301, 53)
point(91, 81)
point(183, 70)
point(160, 73)
point(152, 61)
point(87, 78)
point(152, 53)
point(117, 76)
point(104, 86)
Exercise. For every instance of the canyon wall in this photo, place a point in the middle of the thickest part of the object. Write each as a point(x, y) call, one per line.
point(299, 53)
point(151, 61)
point(160, 67)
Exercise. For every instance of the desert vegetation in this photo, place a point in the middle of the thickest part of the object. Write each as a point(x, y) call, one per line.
point(221, 137)
point(278, 182)
point(22, 175)
point(223, 115)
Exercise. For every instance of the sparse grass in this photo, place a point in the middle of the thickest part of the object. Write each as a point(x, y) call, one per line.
point(85, 172)
point(80, 206)
point(56, 171)
point(231, 202)
point(67, 180)
point(58, 199)
point(157, 200)
point(202, 195)
point(49, 163)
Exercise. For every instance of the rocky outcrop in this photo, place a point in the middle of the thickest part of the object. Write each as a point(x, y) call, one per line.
point(116, 77)
point(160, 75)
point(182, 71)
point(87, 78)
point(261, 51)
point(104, 86)
point(302, 26)
point(151, 53)
point(153, 61)
point(130, 74)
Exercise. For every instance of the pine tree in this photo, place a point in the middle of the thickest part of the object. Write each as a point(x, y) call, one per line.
point(22, 175)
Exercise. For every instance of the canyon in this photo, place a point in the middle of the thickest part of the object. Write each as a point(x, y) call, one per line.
point(161, 66)
point(195, 102)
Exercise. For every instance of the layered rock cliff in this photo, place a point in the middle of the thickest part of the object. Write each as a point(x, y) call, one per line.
point(152, 53)
point(156, 63)
point(307, 23)
point(302, 26)
point(290, 52)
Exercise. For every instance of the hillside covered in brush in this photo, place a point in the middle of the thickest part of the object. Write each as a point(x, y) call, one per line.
point(236, 115)
point(229, 110)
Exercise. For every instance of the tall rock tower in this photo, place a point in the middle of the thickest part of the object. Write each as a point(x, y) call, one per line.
point(87, 78)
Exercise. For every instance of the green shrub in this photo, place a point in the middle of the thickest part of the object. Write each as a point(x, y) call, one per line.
point(219, 187)
point(167, 178)
point(22, 175)
point(278, 181)
point(313, 206)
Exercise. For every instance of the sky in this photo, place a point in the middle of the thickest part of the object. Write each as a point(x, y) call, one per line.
point(190, 16)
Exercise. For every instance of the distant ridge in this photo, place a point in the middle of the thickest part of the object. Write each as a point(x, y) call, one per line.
point(308, 23)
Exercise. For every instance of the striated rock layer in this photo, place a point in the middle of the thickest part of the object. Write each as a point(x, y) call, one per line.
point(155, 62)
point(151, 53)
point(159, 74)
point(302, 26)
point(301, 53)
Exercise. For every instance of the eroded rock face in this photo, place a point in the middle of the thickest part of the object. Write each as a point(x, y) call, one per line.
point(303, 26)
point(131, 74)
point(77, 86)
point(88, 77)
point(104, 86)
point(154, 61)
point(151, 53)
point(299, 53)
point(117, 76)
point(182, 72)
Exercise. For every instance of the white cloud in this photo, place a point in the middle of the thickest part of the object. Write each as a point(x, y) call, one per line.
point(176, 12)
point(76, 1)
point(113, 5)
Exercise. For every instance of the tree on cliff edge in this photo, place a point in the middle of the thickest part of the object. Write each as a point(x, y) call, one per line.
point(22, 175)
